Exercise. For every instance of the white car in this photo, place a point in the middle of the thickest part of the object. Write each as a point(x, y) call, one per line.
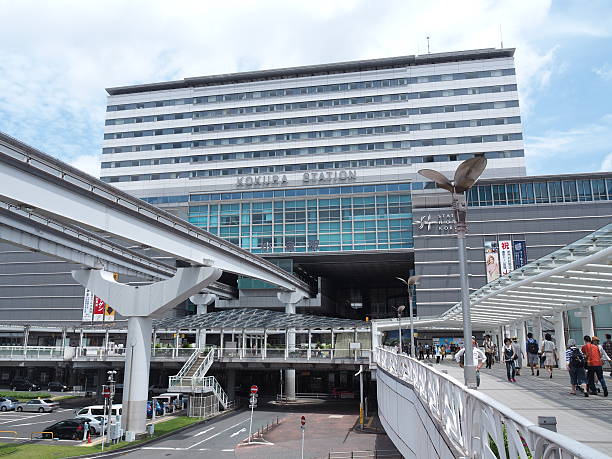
point(39, 405)
point(96, 423)
point(6, 404)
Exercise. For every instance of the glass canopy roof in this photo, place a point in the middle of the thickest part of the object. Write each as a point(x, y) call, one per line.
point(256, 319)
point(577, 275)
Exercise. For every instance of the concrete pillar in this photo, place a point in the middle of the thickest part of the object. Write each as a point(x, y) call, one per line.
point(587, 321)
point(537, 329)
point(560, 338)
point(138, 304)
point(290, 299)
point(202, 300)
point(231, 384)
point(201, 338)
point(136, 377)
point(500, 345)
point(522, 337)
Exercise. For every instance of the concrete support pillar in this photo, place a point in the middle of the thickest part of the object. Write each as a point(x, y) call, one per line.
point(587, 321)
point(522, 337)
point(537, 329)
point(231, 384)
point(136, 377)
point(138, 304)
point(500, 344)
point(290, 299)
point(560, 338)
point(202, 300)
point(64, 344)
point(201, 338)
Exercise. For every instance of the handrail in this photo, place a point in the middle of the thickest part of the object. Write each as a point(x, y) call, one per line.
point(14, 432)
point(43, 432)
point(185, 368)
point(472, 420)
point(206, 363)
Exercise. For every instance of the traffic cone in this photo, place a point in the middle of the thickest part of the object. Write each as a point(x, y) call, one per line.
point(89, 437)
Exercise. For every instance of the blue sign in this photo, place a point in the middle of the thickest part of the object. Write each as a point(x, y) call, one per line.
point(519, 250)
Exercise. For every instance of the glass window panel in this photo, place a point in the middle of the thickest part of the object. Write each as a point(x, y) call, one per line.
point(555, 191)
point(584, 190)
point(527, 193)
point(570, 192)
point(599, 189)
point(541, 192)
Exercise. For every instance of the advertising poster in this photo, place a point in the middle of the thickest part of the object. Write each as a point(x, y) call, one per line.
point(506, 263)
point(109, 313)
point(88, 304)
point(491, 260)
point(98, 310)
point(520, 253)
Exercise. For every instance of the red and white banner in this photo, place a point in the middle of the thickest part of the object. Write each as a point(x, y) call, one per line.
point(506, 262)
point(95, 309)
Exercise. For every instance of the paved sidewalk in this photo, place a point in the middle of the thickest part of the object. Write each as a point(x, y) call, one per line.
point(588, 420)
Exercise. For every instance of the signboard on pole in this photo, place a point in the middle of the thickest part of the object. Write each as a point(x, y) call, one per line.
point(519, 248)
point(506, 262)
point(491, 260)
point(254, 389)
point(98, 310)
point(109, 313)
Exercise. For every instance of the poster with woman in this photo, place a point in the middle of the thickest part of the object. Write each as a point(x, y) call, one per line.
point(491, 260)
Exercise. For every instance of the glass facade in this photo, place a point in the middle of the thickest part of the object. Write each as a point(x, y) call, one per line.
point(541, 192)
point(321, 224)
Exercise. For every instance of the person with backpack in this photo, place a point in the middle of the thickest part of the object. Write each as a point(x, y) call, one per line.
point(518, 363)
point(549, 354)
point(576, 362)
point(489, 350)
point(595, 355)
point(478, 355)
point(533, 361)
point(509, 358)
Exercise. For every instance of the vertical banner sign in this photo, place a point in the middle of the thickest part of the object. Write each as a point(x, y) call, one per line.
point(98, 310)
point(520, 253)
point(506, 263)
point(109, 313)
point(88, 304)
point(491, 260)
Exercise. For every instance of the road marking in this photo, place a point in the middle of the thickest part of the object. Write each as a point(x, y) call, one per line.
point(29, 423)
point(227, 450)
point(204, 431)
point(163, 448)
point(336, 416)
point(218, 433)
point(236, 433)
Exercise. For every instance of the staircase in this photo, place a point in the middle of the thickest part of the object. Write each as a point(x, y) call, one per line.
point(191, 377)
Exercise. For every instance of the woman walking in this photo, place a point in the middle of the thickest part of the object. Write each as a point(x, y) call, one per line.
point(548, 350)
point(576, 362)
point(509, 358)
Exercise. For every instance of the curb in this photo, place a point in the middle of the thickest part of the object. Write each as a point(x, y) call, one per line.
point(129, 448)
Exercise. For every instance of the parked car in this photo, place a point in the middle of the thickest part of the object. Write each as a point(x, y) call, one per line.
point(38, 404)
point(55, 386)
point(70, 429)
point(24, 385)
point(98, 410)
point(6, 404)
point(95, 422)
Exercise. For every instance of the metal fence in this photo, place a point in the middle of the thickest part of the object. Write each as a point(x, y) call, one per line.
point(382, 453)
point(476, 423)
point(203, 406)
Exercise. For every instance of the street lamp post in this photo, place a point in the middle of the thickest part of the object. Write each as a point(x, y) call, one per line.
point(400, 309)
point(465, 176)
point(412, 280)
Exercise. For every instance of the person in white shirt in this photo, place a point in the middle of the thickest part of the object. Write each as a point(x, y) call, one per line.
point(479, 358)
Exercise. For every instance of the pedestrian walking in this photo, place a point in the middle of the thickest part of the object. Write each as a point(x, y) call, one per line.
point(479, 358)
point(595, 355)
point(443, 351)
point(607, 347)
point(438, 354)
point(489, 350)
point(427, 351)
point(421, 352)
point(548, 350)
point(509, 359)
point(532, 348)
point(576, 362)
point(518, 363)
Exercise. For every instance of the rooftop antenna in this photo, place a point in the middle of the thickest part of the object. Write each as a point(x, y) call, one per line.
point(501, 37)
point(428, 45)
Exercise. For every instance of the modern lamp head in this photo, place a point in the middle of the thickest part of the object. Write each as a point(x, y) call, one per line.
point(465, 176)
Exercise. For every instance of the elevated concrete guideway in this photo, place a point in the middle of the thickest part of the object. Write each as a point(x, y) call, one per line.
point(33, 180)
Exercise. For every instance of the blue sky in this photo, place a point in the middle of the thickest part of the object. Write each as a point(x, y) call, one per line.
point(57, 57)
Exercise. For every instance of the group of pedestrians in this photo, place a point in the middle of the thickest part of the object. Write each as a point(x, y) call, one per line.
point(585, 364)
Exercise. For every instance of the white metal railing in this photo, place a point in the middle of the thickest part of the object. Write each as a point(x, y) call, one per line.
point(31, 352)
point(304, 353)
point(473, 421)
point(190, 361)
point(197, 385)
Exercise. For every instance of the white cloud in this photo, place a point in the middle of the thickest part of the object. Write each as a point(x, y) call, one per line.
point(584, 147)
point(87, 163)
point(53, 72)
point(604, 72)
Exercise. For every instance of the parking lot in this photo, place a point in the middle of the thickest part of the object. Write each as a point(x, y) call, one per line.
point(25, 424)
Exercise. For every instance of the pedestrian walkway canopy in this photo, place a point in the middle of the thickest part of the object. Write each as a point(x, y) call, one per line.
point(578, 275)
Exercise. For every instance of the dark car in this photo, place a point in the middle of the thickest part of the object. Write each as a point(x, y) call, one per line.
point(55, 386)
point(69, 429)
point(24, 385)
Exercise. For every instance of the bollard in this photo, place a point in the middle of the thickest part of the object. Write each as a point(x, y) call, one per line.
point(548, 422)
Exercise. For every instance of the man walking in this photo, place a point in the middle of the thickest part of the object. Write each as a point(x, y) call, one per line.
point(479, 358)
point(533, 360)
point(489, 350)
point(594, 353)
point(518, 363)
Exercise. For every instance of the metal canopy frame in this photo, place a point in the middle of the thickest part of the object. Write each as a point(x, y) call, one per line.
point(575, 276)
